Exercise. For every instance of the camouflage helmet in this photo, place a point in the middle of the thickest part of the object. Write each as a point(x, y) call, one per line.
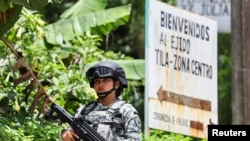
point(106, 69)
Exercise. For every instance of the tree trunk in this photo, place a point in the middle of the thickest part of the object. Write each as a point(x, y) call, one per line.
point(240, 27)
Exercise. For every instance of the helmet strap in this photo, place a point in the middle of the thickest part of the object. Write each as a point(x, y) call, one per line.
point(104, 94)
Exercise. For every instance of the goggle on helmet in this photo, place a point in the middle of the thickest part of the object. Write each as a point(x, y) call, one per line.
point(106, 69)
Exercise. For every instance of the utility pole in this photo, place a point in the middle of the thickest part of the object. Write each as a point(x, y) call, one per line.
point(240, 33)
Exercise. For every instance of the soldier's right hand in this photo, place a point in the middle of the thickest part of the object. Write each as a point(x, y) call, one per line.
point(69, 135)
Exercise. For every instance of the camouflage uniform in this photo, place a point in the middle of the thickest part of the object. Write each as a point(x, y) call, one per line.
point(117, 122)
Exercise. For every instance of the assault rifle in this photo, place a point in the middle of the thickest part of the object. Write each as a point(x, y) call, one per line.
point(80, 126)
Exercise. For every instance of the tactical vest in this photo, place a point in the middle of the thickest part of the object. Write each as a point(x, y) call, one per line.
point(108, 122)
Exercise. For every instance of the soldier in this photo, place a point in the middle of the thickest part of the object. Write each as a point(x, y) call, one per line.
point(113, 118)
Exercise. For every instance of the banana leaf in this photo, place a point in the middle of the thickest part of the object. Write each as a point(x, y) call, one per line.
point(100, 22)
point(84, 7)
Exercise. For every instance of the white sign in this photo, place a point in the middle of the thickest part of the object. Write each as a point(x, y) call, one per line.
point(219, 10)
point(181, 70)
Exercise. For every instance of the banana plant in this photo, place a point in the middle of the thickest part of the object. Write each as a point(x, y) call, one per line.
point(87, 16)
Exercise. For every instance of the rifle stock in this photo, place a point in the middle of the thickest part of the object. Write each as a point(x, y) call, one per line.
point(79, 125)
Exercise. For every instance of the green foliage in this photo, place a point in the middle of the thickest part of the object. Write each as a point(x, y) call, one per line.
point(60, 69)
point(224, 78)
point(77, 22)
point(10, 11)
point(28, 129)
point(82, 7)
point(7, 20)
point(158, 135)
point(31, 4)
